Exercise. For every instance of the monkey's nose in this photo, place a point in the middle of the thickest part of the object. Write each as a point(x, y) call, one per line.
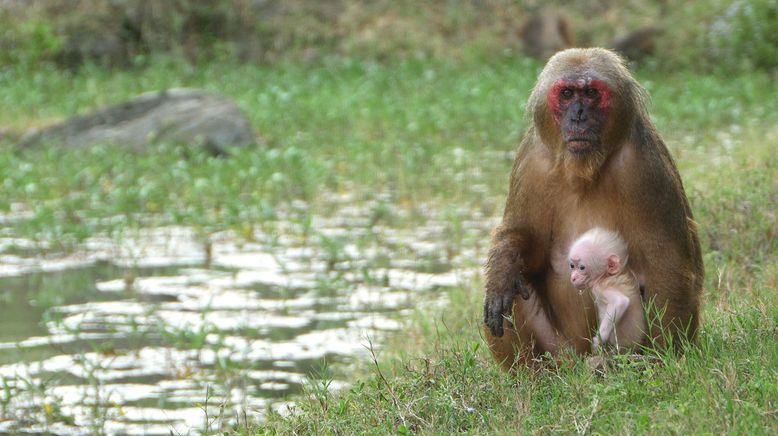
point(577, 113)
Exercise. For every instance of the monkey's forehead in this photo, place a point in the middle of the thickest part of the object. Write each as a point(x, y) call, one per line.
point(578, 80)
point(582, 247)
point(582, 79)
point(585, 57)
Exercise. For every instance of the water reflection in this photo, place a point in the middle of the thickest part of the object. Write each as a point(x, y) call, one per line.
point(136, 334)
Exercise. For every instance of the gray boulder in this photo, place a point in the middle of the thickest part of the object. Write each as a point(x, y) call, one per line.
point(182, 116)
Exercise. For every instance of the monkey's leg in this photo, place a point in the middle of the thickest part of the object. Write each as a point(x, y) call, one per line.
point(528, 336)
point(508, 348)
point(533, 320)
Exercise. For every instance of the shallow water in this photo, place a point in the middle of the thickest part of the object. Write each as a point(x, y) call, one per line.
point(135, 334)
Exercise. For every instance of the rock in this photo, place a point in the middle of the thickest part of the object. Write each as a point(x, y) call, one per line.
point(597, 364)
point(545, 33)
point(637, 44)
point(182, 116)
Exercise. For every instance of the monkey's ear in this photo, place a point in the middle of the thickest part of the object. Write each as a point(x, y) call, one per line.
point(614, 264)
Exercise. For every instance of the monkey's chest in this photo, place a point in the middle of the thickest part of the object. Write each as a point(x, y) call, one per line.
point(574, 221)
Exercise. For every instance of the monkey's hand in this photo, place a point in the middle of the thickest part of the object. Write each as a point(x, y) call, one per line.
point(498, 305)
point(596, 345)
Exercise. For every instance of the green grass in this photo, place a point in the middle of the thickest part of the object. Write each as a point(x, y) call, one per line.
point(433, 136)
point(724, 384)
point(339, 126)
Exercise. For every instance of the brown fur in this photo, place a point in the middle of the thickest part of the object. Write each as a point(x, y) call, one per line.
point(630, 185)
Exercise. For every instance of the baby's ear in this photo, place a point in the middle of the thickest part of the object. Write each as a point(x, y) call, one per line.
point(614, 264)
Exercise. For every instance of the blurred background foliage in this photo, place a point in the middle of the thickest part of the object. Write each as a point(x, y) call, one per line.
point(709, 35)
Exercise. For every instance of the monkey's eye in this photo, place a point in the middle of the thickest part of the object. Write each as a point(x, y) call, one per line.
point(582, 267)
point(591, 92)
point(566, 93)
point(572, 266)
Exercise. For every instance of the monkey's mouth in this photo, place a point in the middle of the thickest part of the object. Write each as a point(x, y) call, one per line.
point(579, 145)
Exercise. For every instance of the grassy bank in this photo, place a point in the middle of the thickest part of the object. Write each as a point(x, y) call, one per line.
point(440, 132)
point(419, 136)
point(709, 35)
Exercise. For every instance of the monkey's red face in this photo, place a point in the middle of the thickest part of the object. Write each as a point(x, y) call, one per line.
point(580, 107)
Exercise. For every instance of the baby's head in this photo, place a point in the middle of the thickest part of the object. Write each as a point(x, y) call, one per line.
point(594, 255)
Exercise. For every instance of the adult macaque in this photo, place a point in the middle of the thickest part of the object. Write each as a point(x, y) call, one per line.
point(591, 158)
point(598, 261)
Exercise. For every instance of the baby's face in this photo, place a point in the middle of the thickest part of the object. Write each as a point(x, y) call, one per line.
point(580, 273)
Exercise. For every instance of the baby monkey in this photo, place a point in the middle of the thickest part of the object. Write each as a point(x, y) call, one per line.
point(598, 261)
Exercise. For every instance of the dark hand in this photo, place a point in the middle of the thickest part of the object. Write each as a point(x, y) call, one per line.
point(497, 305)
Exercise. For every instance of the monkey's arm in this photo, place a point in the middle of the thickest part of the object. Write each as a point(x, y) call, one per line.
point(668, 251)
point(517, 248)
point(611, 306)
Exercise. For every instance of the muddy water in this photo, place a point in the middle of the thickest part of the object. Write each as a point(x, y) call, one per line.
point(158, 331)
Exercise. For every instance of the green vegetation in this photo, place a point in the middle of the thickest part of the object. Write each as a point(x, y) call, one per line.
point(348, 125)
point(412, 110)
point(432, 135)
point(724, 384)
point(710, 35)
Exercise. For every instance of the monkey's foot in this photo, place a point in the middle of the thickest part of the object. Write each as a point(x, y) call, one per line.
point(597, 364)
